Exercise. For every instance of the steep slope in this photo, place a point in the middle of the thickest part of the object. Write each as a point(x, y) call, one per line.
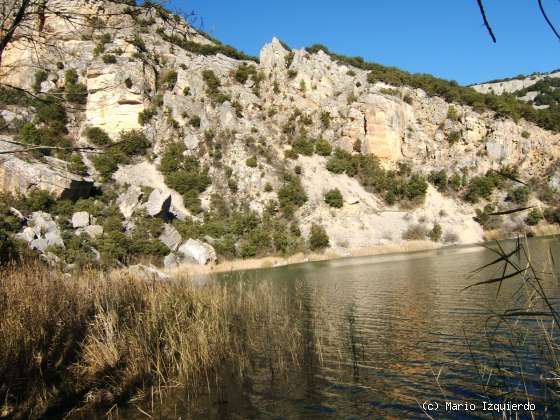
point(201, 141)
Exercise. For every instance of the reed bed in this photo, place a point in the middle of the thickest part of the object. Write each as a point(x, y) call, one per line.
point(523, 339)
point(94, 339)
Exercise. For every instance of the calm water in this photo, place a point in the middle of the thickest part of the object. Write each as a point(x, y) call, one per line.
point(383, 335)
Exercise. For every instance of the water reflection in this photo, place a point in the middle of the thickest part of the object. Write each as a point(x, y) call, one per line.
point(380, 335)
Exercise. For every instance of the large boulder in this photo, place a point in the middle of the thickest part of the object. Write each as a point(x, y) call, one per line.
point(158, 203)
point(93, 231)
point(171, 237)
point(128, 202)
point(80, 219)
point(197, 251)
point(171, 261)
point(147, 272)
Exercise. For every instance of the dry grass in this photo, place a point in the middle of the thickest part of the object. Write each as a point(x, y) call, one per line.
point(73, 341)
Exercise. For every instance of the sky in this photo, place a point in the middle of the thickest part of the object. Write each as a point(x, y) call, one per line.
point(445, 38)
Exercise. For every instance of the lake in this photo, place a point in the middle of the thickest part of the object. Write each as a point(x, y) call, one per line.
point(389, 337)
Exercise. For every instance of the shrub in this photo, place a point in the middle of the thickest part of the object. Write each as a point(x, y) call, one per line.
point(303, 146)
point(452, 113)
point(145, 116)
point(357, 146)
point(244, 72)
point(534, 217)
point(518, 195)
point(416, 187)
point(292, 194)
point(195, 121)
point(453, 137)
point(268, 187)
point(318, 238)
point(169, 79)
point(408, 99)
point(75, 92)
point(8, 251)
point(40, 77)
point(323, 148)
point(77, 165)
point(415, 232)
point(183, 174)
point(334, 198)
point(435, 233)
point(552, 215)
point(325, 119)
point(525, 134)
point(109, 59)
point(479, 187)
point(439, 180)
point(97, 136)
point(251, 162)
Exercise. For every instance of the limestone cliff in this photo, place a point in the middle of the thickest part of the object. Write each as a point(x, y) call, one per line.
point(155, 67)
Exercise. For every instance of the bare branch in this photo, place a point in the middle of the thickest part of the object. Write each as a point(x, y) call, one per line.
point(541, 7)
point(485, 19)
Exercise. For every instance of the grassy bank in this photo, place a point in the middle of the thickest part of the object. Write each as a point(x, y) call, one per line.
point(70, 342)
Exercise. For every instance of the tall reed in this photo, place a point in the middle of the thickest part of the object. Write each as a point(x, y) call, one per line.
point(70, 341)
point(523, 339)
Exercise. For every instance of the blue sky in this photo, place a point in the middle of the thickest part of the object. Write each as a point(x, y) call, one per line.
point(442, 37)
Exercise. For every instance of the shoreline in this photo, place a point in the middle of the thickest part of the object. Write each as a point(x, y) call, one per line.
point(405, 247)
point(301, 258)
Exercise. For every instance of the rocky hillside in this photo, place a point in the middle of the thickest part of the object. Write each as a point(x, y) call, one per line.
point(146, 138)
point(515, 84)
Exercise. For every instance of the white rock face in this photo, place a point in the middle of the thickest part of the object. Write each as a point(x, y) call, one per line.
point(197, 251)
point(80, 219)
point(170, 237)
point(93, 231)
point(21, 176)
point(158, 203)
point(129, 201)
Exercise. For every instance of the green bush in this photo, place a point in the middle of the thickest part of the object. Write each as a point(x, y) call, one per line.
point(452, 113)
point(519, 195)
point(251, 162)
point(195, 121)
point(292, 194)
point(439, 180)
point(76, 164)
point(435, 233)
point(169, 79)
point(525, 134)
point(453, 137)
point(206, 49)
point(131, 143)
point(534, 217)
point(318, 238)
point(552, 215)
point(303, 146)
point(8, 250)
point(244, 72)
point(75, 92)
point(323, 147)
point(40, 77)
point(480, 187)
point(183, 174)
point(268, 187)
point(334, 198)
point(145, 116)
point(97, 136)
point(325, 119)
point(109, 59)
